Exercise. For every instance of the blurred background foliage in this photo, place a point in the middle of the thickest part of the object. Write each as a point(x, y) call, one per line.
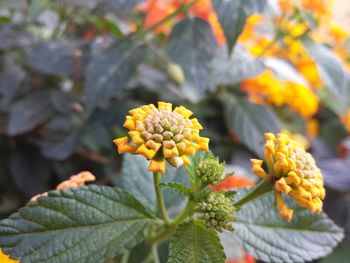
point(70, 70)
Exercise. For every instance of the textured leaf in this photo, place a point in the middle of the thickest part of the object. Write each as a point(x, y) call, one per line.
point(225, 69)
point(329, 66)
point(192, 45)
point(249, 122)
point(137, 180)
point(87, 224)
point(268, 237)
point(62, 57)
point(194, 243)
point(180, 188)
point(232, 17)
point(108, 72)
point(232, 247)
point(28, 113)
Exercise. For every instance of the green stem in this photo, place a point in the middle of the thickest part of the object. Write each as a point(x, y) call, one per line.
point(125, 257)
point(262, 188)
point(155, 254)
point(184, 213)
point(160, 198)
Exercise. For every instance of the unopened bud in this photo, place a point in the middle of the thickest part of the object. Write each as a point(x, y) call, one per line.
point(175, 73)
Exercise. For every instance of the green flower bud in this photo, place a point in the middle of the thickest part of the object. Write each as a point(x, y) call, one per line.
point(175, 73)
point(218, 211)
point(211, 171)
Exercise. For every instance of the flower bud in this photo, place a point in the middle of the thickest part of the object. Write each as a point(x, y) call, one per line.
point(218, 211)
point(175, 73)
point(211, 171)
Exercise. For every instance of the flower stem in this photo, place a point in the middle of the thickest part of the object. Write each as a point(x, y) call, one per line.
point(125, 258)
point(160, 198)
point(155, 253)
point(262, 188)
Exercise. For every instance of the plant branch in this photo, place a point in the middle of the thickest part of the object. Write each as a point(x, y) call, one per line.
point(160, 198)
point(262, 188)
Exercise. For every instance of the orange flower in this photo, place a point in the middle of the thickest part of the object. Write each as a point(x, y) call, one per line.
point(233, 181)
point(156, 10)
point(246, 259)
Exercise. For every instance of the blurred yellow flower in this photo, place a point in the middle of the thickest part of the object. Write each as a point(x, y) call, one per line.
point(161, 134)
point(267, 88)
point(293, 172)
point(6, 259)
point(298, 137)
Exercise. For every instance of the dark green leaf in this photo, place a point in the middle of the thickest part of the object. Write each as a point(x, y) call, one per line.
point(87, 224)
point(268, 237)
point(30, 171)
point(194, 243)
point(340, 255)
point(28, 113)
point(329, 66)
point(232, 17)
point(249, 122)
point(136, 179)
point(108, 72)
point(61, 58)
point(192, 45)
point(232, 69)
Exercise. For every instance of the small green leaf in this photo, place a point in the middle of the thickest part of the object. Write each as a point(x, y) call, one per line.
point(249, 122)
point(329, 66)
point(178, 187)
point(192, 45)
point(232, 17)
point(87, 224)
point(268, 237)
point(194, 243)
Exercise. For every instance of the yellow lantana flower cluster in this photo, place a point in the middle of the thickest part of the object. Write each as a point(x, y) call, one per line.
point(292, 171)
point(161, 134)
point(6, 259)
point(266, 88)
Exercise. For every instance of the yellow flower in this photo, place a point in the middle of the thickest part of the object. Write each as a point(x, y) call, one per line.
point(267, 88)
point(162, 134)
point(6, 259)
point(293, 172)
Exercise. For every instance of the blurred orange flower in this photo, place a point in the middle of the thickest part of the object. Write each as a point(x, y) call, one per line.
point(156, 10)
point(233, 181)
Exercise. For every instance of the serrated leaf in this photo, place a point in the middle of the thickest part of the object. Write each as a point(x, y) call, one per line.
point(178, 187)
point(232, 17)
point(268, 237)
point(249, 122)
point(192, 45)
point(329, 66)
point(224, 68)
point(136, 179)
point(108, 72)
point(87, 224)
point(28, 113)
point(194, 243)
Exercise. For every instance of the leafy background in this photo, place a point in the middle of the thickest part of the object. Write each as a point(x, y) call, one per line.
point(70, 70)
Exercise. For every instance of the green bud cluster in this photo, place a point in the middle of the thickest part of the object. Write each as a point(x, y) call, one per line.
point(211, 171)
point(218, 211)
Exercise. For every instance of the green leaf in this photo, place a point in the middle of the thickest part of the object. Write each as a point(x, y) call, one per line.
point(329, 66)
point(249, 122)
point(194, 243)
point(192, 45)
point(232, 17)
point(137, 180)
point(87, 224)
point(340, 255)
point(224, 69)
point(268, 237)
point(178, 187)
point(108, 72)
